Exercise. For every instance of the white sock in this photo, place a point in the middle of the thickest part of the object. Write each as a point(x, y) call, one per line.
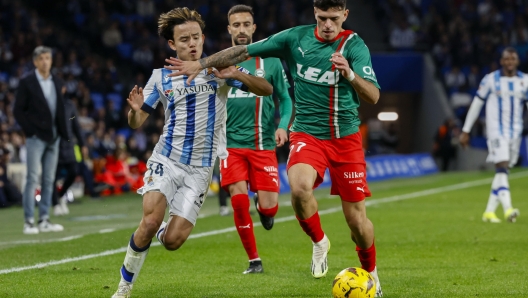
point(503, 191)
point(161, 232)
point(493, 200)
point(134, 259)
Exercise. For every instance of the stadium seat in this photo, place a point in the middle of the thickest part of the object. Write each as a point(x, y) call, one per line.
point(79, 19)
point(98, 100)
point(116, 99)
point(125, 50)
point(126, 132)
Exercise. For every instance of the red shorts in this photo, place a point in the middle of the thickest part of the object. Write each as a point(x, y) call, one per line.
point(343, 157)
point(258, 167)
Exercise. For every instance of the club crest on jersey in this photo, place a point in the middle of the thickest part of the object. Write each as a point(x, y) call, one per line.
point(150, 181)
point(169, 93)
point(260, 73)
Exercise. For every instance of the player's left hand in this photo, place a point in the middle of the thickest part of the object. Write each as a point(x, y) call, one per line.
point(341, 64)
point(281, 137)
point(226, 73)
point(189, 68)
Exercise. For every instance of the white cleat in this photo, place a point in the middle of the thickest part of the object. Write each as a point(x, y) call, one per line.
point(374, 275)
point(161, 230)
point(46, 226)
point(64, 205)
point(319, 257)
point(57, 210)
point(123, 290)
point(30, 229)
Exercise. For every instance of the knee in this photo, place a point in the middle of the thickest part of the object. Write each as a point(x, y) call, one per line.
point(300, 190)
point(173, 243)
point(151, 224)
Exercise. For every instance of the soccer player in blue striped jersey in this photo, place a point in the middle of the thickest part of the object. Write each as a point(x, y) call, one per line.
point(180, 168)
point(504, 92)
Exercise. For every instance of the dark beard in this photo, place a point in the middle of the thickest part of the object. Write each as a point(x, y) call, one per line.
point(248, 41)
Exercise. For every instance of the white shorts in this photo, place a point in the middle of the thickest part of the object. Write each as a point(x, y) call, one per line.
point(185, 187)
point(502, 149)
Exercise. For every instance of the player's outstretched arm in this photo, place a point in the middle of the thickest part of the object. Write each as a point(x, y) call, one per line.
point(225, 58)
point(256, 85)
point(136, 116)
point(365, 89)
point(472, 115)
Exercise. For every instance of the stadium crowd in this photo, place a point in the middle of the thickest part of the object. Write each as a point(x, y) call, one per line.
point(465, 37)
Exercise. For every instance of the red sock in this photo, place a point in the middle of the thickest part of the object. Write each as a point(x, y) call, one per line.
point(270, 212)
point(244, 224)
point(367, 257)
point(312, 227)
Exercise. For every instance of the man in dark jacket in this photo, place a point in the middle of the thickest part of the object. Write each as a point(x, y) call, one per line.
point(39, 110)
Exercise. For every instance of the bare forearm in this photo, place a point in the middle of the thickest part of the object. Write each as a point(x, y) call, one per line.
point(256, 85)
point(366, 90)
point(136, 119)
point(227, 57)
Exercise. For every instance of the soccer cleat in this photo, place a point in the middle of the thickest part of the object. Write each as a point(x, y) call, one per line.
point(254, 267)
point(45, 226)
point(224, 211)
point(63, 202)
point(490, 217)
point(319, 257)
point(374, 275)
point(30, 228)
point(511, 214)
point(267, 222)
point(57, 210)
point(160, 230)
point(123, 290)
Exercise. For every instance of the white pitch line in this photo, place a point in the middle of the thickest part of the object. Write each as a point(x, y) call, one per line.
point(402, 197)
point(43, 240)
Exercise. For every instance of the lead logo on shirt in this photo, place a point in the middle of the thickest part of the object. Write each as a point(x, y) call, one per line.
point(260, 72)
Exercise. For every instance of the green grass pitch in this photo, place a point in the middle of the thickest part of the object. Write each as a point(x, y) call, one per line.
point(430, 241)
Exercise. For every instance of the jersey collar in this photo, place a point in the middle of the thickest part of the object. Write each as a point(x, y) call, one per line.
point(341, 34)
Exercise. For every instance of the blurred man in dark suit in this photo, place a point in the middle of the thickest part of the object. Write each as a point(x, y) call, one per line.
point(39, 110)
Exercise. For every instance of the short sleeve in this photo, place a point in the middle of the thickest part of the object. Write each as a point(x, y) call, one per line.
point(151, 92)
point(273, 46)
point(485, 87)
point(359, 55)
point(238, 84)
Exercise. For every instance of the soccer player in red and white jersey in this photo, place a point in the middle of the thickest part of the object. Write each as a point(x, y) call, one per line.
point(332, 70)
point(251, 139)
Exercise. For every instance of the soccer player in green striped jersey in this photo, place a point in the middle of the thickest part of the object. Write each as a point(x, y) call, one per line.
point(251, 139)
point(332, 70)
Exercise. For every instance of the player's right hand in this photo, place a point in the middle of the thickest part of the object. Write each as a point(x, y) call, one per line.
point(135, 99)
point(464, 140)
point(189, 68)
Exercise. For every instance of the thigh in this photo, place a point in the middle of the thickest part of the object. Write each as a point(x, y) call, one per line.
point(263, 173)
point(234, 168)
point(306, 149)
point(191, 193)
point(50, 158)
point(348, 168)
point(35, 151)
point(498, 150)
point(161, 176)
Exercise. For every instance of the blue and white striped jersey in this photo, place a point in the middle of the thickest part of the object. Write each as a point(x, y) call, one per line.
point(195, 115)
point(504, 97)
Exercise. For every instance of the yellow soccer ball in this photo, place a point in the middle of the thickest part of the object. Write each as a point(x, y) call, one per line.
point(353, 283)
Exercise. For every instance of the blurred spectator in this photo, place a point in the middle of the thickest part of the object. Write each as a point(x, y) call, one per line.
point(402, 36)
point(446, 140)
point(112, 36)
point(455, 78)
